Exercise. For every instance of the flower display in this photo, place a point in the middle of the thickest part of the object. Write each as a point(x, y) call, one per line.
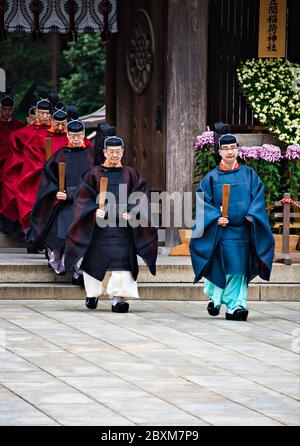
point(204, 155)
point(249, 152)
point(291, 174)
point(265, 160)
point(270, 153)
point(293, 153)
point(271, 87)
point(267, 152)
point(204, 140)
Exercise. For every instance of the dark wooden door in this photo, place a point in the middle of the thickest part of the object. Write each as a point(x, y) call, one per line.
point(140, 105)
point(233, 38)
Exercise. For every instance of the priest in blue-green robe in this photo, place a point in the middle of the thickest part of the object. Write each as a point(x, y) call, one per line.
point(232, 251)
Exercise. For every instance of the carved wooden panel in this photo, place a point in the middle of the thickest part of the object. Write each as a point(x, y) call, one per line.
point(140, 53)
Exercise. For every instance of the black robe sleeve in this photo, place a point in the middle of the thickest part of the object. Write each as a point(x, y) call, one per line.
point(145, 237)
point(45, 207)
point(81, 231)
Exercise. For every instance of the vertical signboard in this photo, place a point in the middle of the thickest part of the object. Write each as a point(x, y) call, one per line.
point(272, 28)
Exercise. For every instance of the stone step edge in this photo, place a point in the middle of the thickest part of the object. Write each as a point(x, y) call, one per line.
point(148, 291)
point(141, 285)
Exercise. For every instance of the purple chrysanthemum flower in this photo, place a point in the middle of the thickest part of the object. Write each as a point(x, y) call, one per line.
point(249, 152)
point(270, 153)
point(204, 140)
point(293, 153)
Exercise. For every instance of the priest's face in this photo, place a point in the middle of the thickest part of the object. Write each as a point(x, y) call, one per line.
point(6, 112)
point(59, 126)
point(76, 139)
point(229, 152)
point(114, 155)
point(31, 119)
point(43, 116)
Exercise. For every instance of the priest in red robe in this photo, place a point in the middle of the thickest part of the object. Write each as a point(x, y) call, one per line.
point(21, 142)
point(8, 124)
point(34, 161)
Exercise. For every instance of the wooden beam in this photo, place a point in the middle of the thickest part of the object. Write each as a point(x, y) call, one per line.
point(123, 117)
point(186, 79)
point(110, 80)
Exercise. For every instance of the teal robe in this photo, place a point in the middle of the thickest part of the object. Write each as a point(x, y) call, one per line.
point(246, 245)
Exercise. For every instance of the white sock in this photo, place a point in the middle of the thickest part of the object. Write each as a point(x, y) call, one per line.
point(230, 311)
point(116, 300)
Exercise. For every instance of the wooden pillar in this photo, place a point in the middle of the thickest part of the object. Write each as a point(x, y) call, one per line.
point(186, 78)
point(124, 119)
point(110, 80)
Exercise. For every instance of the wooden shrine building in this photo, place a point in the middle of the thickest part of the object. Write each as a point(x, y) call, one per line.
point(171, 70)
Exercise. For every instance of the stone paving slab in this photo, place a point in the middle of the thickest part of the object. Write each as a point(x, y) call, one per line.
point(163, 363)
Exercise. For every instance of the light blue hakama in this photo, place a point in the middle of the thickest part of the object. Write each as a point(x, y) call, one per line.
point(233, 295)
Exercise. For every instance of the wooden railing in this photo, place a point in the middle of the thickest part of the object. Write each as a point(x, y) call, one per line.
point(286, 254)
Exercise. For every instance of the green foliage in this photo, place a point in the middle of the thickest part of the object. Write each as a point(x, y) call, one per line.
point(205, 161)
point(269, 173)
point(291, 178)
point(84, 84)
point(24, 63)
point(81, 68)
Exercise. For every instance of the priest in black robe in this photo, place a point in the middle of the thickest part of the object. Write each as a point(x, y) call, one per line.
point(106, 238)
point(53, 214)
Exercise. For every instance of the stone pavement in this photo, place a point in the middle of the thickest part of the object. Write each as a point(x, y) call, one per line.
point(164, 363)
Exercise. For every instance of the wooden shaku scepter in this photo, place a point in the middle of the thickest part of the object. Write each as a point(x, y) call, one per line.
point(225, 200)
point(103, 190)
point(62, 174)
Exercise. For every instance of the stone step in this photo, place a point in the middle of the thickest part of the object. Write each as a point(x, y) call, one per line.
point(10, 241)
point(24, 276)
point(148, 291)
point(23, 268)
point(36, 291)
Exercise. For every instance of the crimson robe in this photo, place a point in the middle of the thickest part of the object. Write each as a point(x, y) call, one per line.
point(6, 127)
point(20, 141)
